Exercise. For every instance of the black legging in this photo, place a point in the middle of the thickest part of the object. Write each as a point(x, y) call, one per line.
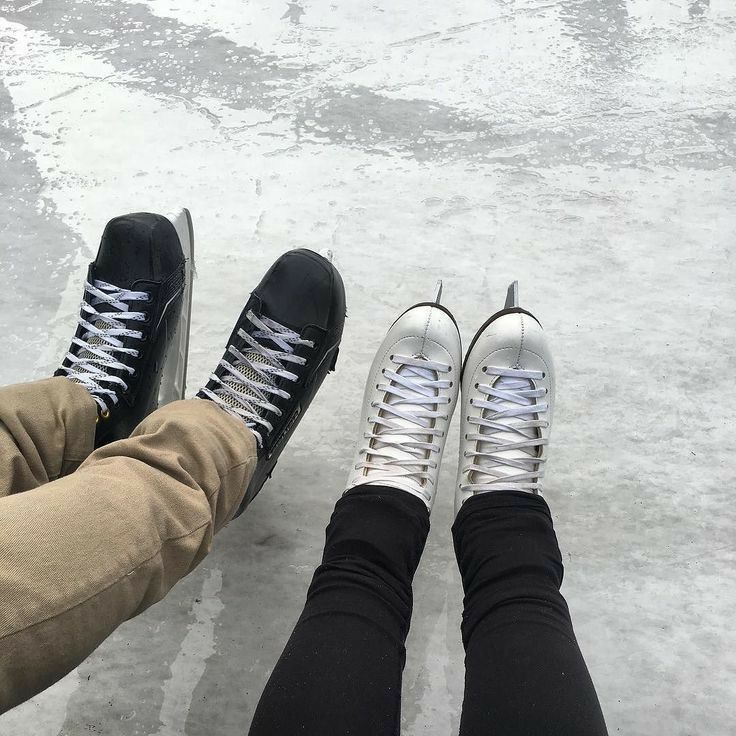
point(340, 672)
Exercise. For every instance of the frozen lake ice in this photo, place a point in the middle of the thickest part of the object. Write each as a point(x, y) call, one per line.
point(584, 147)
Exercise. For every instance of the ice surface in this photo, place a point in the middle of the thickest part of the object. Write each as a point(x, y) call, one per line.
point(584, 147)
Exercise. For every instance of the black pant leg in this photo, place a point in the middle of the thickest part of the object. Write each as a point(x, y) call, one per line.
point(525, 674)
point(341, 670)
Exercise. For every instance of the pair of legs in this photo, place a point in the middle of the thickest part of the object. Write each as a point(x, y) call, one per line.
point(341, 670)
point(105, 502)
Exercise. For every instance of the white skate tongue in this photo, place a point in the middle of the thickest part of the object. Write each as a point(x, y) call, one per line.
point(397, 442)
point(498, 437)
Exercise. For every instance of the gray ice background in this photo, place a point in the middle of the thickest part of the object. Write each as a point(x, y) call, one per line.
point(584, 147)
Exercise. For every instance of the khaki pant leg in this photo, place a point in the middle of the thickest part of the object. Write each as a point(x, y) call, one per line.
point(47, 428)
point(82, 554)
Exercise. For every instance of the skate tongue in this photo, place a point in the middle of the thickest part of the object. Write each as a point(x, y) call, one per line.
point(244, 389)
point(497, 438)
point(259, 360)
point(101, 324)
point(395, 440)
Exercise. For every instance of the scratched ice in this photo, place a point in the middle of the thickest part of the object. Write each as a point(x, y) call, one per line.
point(585, 147)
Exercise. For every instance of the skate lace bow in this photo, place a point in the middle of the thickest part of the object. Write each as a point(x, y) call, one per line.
point(510, 420)
point(248, 384)
point(403, 437)
point(97, 351)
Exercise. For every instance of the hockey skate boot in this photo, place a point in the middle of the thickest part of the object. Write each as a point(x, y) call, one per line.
point(283, 345)
point(130, 347)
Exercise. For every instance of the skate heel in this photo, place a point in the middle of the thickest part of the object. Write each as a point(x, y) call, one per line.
point(512, 296)
point(511, 306)
point(512, 301)
point(436, 302)
point(174, 378)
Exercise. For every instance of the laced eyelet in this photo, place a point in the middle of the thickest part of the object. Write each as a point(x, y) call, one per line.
point(105, 414)
point(544, 375)
point(477, 385)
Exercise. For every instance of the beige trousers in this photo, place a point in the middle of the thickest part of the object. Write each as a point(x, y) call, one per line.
point(89, 539)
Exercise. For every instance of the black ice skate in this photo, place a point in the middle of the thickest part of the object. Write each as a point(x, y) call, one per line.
point(282, 347)
point(130, 347)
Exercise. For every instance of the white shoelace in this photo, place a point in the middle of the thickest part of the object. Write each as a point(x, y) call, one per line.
point(246, 389)
point(402, 441)
point(101, 341)
point(508, 456)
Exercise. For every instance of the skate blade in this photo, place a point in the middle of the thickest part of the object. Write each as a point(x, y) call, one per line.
point(174, 377)
point(512, 296)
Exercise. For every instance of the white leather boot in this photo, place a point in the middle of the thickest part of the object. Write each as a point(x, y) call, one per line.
point(507, 400)
point(409, 399)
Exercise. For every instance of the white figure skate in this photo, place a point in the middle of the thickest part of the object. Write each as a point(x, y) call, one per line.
point(507, 401)
point(409, 399)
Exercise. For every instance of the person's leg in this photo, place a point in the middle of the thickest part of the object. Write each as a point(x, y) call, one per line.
point(525, 675)
point(47, 428)
point(340, 672)
point(82, 554)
